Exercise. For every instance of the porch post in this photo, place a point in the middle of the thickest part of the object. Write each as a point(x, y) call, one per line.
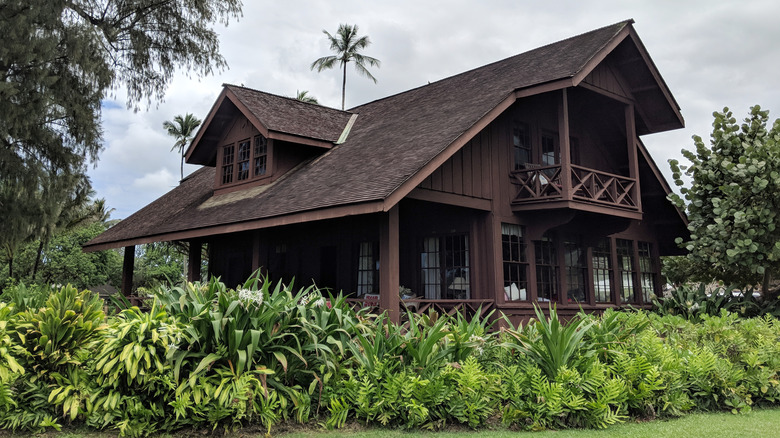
point(193, 262)
point(389, 264)
point(633, 163)
point(564, 144)
point(128, 265)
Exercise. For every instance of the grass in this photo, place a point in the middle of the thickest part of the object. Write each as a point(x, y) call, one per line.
point(758, 423)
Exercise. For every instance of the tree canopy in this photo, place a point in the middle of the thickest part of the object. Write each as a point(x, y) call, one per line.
point(347, 46)
point(182, 129)
point(733, 202)
point(58, 61)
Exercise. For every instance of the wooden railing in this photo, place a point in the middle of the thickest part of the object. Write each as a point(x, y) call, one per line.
point(419, 306)
point(589, 185)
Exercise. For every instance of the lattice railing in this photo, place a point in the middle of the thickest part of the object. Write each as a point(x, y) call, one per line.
point(537, 183)
point(545, 184)
point(602, 187)
point(419, 306)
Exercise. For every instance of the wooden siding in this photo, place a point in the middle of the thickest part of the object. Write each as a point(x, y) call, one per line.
point(607, 78)
point(467, 172)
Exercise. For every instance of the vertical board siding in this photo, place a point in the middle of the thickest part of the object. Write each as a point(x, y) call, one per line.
point(467, 172)
point(604, 77)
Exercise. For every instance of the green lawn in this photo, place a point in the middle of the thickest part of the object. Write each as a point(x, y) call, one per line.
point(757, 424)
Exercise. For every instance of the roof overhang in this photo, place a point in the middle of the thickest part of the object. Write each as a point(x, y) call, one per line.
point(203, 148)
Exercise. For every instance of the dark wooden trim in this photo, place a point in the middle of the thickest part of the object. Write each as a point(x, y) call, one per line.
point(415, 180)
point(193, 260)
point(589, 273)
point(450, 199)
point(292, 138)
point(605, 93)
point(128, 265)
point(544, 88)
point(599, 57)
point(633, 160)
point(563, 143)
point(202, 129)
point(307, 216)
point(255, 250)
point(389, 264)
point(574, 205)
point(617, 280)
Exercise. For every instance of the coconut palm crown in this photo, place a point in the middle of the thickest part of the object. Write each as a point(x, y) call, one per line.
point(182, 129)
point(347, 46)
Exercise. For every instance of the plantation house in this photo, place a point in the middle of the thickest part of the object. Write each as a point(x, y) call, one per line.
point(521, 181)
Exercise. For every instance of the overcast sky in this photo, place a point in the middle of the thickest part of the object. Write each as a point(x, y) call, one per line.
point(711, 54)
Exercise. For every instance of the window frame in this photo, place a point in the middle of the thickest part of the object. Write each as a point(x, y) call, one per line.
point(517, 261)
point(247, 159)
point(443, 256)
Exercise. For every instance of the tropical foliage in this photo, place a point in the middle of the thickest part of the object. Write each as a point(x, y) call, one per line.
point(732, 202)
point(347, 45)
point(182, 129)
point(203, 355)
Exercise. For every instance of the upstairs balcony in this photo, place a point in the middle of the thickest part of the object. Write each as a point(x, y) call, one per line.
point(577, 187)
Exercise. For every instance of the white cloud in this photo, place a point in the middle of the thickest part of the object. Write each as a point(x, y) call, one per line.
point(711, 54)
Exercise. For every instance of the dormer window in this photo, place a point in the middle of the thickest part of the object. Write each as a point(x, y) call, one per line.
point(261, 155)
point(244, 160)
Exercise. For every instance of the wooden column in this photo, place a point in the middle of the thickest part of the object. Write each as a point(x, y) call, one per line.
point(563, 280)
point(617, 279)
point(194, 260)
point(255, 251)
point(389, 263)
point(633, 162)
point(564, 144)
point(128, 265)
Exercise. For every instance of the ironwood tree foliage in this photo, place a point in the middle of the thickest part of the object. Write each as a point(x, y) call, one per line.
point(733, 203)
point(58, 61)
point(347, 46)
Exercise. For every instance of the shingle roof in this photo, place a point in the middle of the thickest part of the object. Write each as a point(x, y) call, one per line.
point(391, 140)
point(292, 116)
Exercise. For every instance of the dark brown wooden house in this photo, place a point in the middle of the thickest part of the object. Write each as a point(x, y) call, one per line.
point(521, 181)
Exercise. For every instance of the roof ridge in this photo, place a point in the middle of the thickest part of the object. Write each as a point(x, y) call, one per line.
point(622, 24)
point(254, 90)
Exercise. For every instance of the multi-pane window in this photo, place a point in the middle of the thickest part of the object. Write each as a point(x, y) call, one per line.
point(646, 270)
point(515, 262)
point(261, 155)
point(549, 152)
point(602, 271)
point(244, 149)
point(227, 164)
point(368, 269)
point(625, 253)
point(444, 263)
point(244, 160)
point(576, 269)
point(546, 269)
point(521, 142)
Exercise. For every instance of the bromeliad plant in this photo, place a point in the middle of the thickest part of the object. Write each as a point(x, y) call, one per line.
point(550, 344)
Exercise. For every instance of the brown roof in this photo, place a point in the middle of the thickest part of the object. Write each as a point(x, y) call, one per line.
point(392, 140)
point(292, 116)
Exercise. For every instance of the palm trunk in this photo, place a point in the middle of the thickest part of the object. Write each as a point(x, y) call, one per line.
point(37, 260)
point(182, 165)
point(765, 283)
point(344, 86)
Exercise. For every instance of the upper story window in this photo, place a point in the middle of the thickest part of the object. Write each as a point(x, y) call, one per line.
point(521, 144)
point(245, 160)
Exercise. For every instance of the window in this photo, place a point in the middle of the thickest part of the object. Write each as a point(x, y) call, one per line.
point(521, 141)
point(576, 269)
point(625, 253)
point(546, 269)
point(444, 263)
point(368, 269)
point(227, 164)
point(261, 155)
point(602, 271)
point(515, 262)
point(646, 270)
point(550, 154)
point(243, 162)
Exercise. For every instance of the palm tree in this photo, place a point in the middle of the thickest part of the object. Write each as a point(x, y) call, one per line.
point(347, 45)
point(182, 129)
point(304, 96)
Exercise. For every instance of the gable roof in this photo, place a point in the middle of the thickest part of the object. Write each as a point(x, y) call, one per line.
point(393, 144)
point(274, 116)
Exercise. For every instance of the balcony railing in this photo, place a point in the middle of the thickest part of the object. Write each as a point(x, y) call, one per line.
point(537, 184)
